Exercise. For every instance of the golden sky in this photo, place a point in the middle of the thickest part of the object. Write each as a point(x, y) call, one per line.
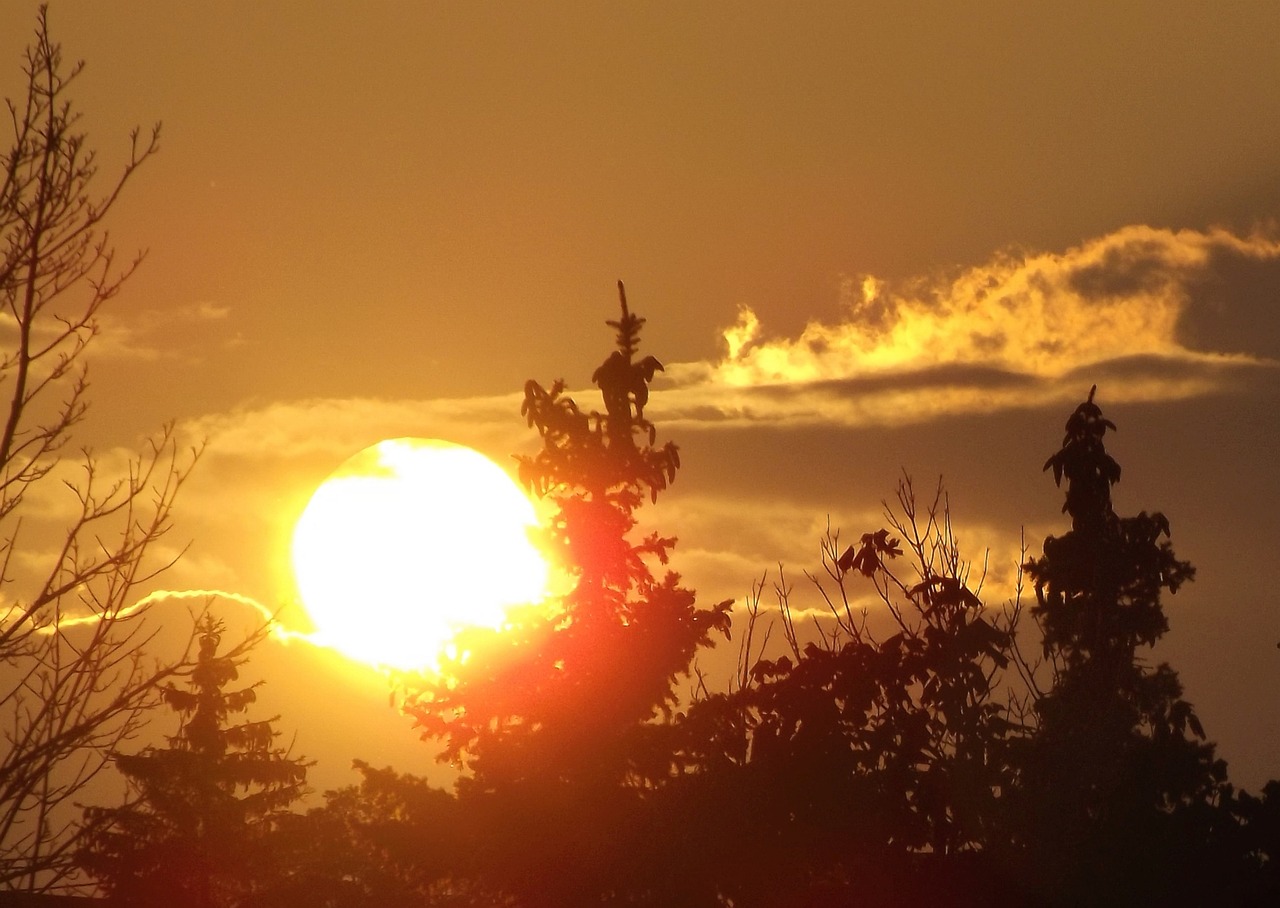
point(866, 240)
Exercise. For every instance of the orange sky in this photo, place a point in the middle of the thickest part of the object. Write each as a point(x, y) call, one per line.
point(376, 220)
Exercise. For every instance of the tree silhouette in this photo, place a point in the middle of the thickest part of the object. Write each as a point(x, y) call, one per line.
point(393, 839)
point(198, 829)
point(554, 719)
point(75, 683)
point(1116, 785)
point(883, 758)
point(864, 763)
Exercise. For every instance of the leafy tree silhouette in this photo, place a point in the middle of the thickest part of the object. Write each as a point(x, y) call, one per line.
point(1118, 794)
point(555, 718)
point(865, 764)
point(199, 829)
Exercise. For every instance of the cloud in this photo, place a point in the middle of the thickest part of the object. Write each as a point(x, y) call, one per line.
point(173, 332)
point(340, 427)
point(1021, 330)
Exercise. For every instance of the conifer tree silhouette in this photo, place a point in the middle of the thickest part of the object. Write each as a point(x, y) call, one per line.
point(1118, 766)
point(197, 831)
point(553, 719)
point(856, 769)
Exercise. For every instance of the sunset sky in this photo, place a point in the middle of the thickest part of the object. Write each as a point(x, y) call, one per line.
point(907, 237)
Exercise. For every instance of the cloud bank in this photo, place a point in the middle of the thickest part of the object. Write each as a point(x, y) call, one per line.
point(1151, 314)
point(1129, 309)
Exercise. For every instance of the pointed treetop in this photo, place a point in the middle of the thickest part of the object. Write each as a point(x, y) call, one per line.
point(209, 632)
point(623, 383)
point(628, 327)
point(1087, 423)
point(1084, 463)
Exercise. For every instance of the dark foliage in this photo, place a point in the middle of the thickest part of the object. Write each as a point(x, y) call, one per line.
point(391, 840)
point(914, 759)
point(557, 719)
point(1119, 799)
point(199, 828)
point(865, 767)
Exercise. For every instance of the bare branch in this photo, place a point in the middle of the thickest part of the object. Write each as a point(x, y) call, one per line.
point(77, 679)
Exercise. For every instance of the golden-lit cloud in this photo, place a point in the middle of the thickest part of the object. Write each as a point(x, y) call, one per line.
point(195, 599)
point(1023, 329)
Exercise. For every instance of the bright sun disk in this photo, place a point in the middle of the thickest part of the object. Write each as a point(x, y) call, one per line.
point(406, 542)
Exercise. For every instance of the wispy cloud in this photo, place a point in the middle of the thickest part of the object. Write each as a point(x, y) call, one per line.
point(1023, 329)
point(180, 331)
point(339, 427)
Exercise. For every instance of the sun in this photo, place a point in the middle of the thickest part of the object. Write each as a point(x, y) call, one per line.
point(406, 542)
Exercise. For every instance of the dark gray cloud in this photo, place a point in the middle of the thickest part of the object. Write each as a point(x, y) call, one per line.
point(1234, 305)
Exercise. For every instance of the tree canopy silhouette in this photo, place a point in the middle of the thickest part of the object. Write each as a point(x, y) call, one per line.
point(866, 759)
point(1119, 798)
point(199, 827)
point(555, 717)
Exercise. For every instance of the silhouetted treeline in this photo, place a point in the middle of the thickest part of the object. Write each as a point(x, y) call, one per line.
point(921, 748)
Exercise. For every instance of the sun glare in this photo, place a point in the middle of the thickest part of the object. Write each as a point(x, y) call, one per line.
point(406, 542)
